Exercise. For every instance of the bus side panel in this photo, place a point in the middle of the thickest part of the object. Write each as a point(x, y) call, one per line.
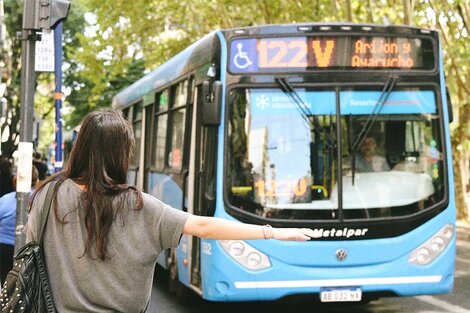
point(166, 189)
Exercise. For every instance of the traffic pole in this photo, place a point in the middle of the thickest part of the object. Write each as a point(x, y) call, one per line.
point(25, 147)
point(58, 164)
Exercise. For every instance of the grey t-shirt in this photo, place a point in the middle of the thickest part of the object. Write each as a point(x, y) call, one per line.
point(124, 282)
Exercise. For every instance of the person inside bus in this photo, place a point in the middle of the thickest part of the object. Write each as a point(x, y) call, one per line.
point(367, 159)
point(103, 236)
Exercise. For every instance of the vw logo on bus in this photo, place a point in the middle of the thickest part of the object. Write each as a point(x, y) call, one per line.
point(341, 254)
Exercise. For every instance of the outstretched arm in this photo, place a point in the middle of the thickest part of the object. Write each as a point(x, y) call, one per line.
point(221, 229)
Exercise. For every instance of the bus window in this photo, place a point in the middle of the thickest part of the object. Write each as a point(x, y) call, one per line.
point(137, 123)
point(181, 94)
point(158, 156)
point(149, 130)
point(178, 118)
point(397, 168)
point(278, 170)
point(162, 101)
point(284, 172)
point(126, 113)
point(175, 155)
point(134, 114)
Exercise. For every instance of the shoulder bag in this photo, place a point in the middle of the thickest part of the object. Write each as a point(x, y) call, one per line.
point(27, 288)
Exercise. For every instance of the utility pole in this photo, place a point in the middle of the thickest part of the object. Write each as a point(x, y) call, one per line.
point(37, 15)
point(25, 147)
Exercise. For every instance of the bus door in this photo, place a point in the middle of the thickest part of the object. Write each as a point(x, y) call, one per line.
point(203, 167)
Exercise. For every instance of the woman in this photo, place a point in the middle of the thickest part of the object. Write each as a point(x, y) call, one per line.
point(103, 237)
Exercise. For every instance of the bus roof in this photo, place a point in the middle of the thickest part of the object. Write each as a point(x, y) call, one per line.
point(305, 28)
point(190, 58)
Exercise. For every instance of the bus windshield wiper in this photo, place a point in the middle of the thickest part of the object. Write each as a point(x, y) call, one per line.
point(386, 91)
point(305, 112)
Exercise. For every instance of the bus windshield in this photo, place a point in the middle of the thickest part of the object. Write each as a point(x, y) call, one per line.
point(282, 163)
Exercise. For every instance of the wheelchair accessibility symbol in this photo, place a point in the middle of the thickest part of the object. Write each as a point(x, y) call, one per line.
point(241, 59)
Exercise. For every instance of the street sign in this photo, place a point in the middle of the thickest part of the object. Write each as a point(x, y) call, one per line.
point(44, 59)
point(24, 169)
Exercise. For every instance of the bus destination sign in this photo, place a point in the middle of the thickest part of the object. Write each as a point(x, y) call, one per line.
point(253, 55)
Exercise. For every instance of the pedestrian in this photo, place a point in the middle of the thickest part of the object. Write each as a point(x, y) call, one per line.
point(8, 225)
point(103, 236)
point(40, 165)
point(6, 176)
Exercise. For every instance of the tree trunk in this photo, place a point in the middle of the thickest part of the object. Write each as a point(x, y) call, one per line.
point(407, 12)
point(458, 148)
point(460, 189)
point(334, 7)
point(370, 16)
point(349, 13)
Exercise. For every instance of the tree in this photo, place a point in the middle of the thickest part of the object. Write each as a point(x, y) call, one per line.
point(13, 21)
point(44, 100)
point(453, 20)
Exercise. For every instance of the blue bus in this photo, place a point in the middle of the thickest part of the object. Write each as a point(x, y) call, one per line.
point(342, 128)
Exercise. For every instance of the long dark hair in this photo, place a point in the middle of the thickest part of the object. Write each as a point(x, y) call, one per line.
point(99, 160)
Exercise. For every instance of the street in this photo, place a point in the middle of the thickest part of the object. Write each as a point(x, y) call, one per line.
point(456, 302)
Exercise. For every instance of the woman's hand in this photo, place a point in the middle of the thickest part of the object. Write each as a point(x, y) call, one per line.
point(298, 234)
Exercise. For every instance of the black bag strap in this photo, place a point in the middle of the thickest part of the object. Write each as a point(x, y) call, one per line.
point(46, 208)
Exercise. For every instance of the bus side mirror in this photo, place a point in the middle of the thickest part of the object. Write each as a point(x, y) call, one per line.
point(449, 105)
point(211, 103)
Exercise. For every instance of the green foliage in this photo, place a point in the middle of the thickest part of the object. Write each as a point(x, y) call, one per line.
point(13, 20)
point(122, 32)
point(44, 111)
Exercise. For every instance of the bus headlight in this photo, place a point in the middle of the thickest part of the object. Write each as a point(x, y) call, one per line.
point(438, 244)
point(423, 256)
point(428, 251)
point(253, 259)
point(245, 254)
point(236, 248)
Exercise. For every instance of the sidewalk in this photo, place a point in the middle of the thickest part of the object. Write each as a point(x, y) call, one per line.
point(463, 230)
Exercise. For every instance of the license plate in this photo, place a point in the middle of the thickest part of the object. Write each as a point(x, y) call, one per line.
point(349, 294)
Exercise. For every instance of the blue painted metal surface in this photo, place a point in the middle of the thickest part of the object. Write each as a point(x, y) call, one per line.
point(58, 164)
